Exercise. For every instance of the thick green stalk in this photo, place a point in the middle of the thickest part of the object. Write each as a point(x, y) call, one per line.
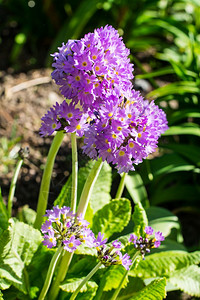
point(13, 185)
point(50, 272)
point(87, 189)
point(117, 291)
point(121, 186)
point(74, 172)
point(45, 184)
point(62, 271)
point(73, 296)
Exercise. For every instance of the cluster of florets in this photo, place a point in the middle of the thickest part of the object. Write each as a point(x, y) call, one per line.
point(144, 244)
point(66, 228)
point(125, 134)
point(93, 69)
point(118, 124)
point(63, 226)
point(111, 255)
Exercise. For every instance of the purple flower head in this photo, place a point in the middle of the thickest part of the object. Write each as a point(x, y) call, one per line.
point(159, 237)
point(144, 244)
point(116, 244)
point(148, 230)
point(71, 244)
point(126, 261)
point(65, 227)
point(49, 240)
point(46, 227)
point(99, 240)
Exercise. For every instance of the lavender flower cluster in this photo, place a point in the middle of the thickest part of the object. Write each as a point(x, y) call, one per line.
point(118, 124)
point(66, 228)
point(145, 244)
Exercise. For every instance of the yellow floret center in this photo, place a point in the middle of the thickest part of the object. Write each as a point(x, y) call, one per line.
point(53, 125)
point(96, 85)
point(88, 81)
point(77, 78)
point(69, 115)
point(131, 145)
point(70, 245)
point(97, 68)
point(114, 136)
point(110, 114)
point(139, 135)
point(129, 116)
point(51, 240)
point(121, 153)
point(94, 57)
point(119, 128)
point(78, 127)
point(109, 150)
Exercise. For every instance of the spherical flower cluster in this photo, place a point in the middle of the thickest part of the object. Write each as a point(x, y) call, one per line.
point(62, 226)
point(118, 124)
point(145, 244)
point(94, 69)
point(111, 255)
point(125, 134)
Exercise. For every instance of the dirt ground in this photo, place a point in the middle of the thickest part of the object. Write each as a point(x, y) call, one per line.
point(24, 99)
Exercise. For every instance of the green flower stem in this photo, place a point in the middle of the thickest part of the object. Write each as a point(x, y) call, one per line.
point(117, 291)
point(62, 271)
point(13, 185)
point(50, 272)
point(74, 172)
point(121, 186)
point(45, 184)
point(85, 280)
point(67, 257)
point(87, 189)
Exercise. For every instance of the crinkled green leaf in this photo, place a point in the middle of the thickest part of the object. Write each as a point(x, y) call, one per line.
point(4, 284)
point(1, 296)
point(18, 244)
point(153, 291)
point(187, 280)
point(136, 189)
point(26, 215)
point(112, 278)
point(165, 263)
point(71, 284)
point(140, 219)
point(113, 217)
point(134, 285)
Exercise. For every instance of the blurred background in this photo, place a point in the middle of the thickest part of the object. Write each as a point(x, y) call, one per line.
point(164, 39)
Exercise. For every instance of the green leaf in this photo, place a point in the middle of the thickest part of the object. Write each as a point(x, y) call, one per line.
point(4, 284)
point(26, 215)
point(71, 284)
point(153, 291)
point(1, 296)
point(180, 88)
point(165, 263)
point(101, 191)
point(140, 219)
point(187, 280)
point(184, 113)
point(190, 152)
point(3, 213)
point(136, 188)
point(187, 128)
point(112, 278)
point(134, 285)
point(113, 217)
point(17, 246)
point(161, 219)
